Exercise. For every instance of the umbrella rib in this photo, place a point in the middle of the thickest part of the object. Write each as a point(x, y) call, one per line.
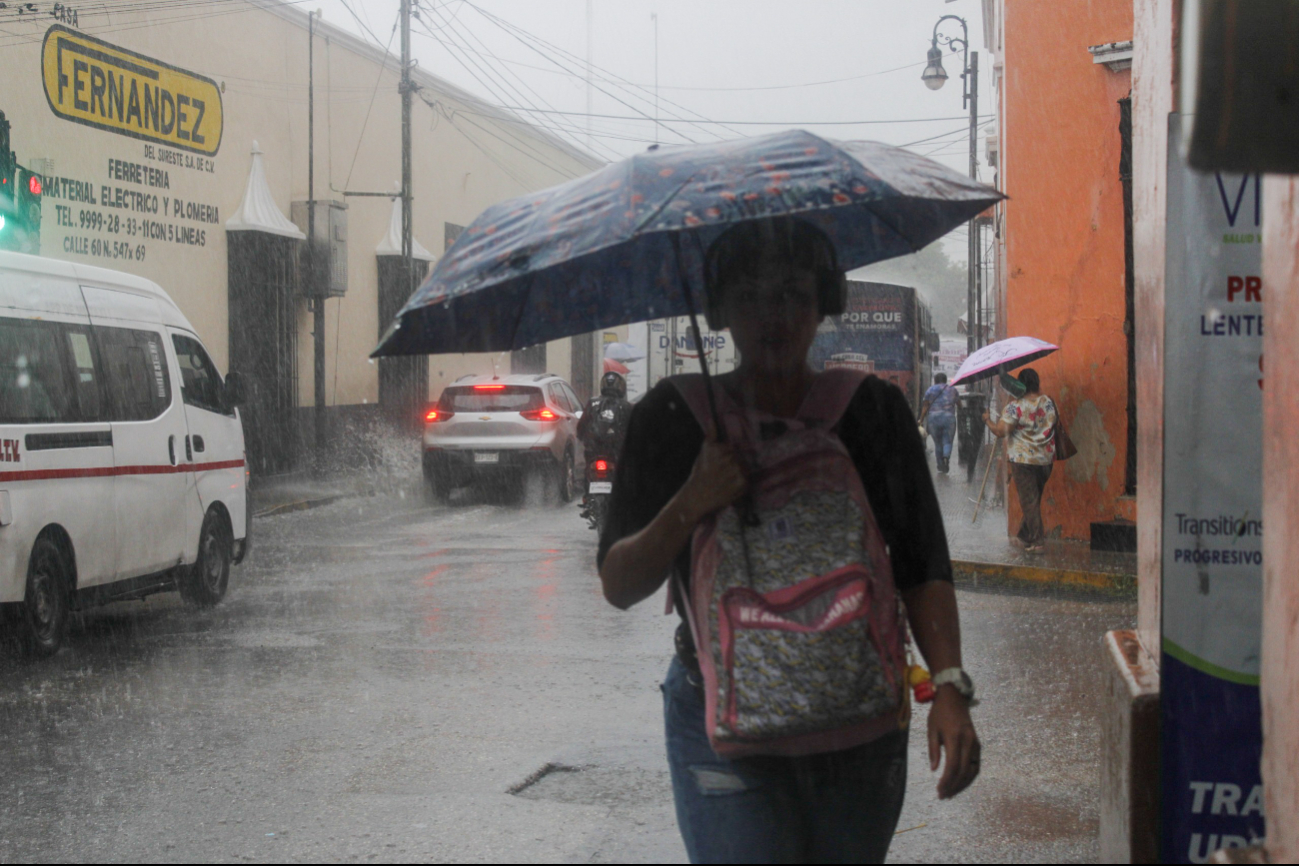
point(658, 210)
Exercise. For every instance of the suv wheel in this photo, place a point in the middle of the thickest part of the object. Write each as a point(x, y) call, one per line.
point(46, 602)
point(204, 583)
point(567, 479)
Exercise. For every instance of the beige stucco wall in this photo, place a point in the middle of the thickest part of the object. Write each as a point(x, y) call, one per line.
point(259, 57)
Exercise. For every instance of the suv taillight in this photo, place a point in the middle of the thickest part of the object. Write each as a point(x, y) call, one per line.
point(438, 414)
point(539, 415)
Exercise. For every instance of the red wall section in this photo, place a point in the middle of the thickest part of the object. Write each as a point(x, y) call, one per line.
point(1064, 239)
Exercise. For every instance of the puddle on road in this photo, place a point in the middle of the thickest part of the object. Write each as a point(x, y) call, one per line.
point(622, 787)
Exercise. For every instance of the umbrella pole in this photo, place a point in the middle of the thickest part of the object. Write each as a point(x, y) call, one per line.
point(699, 341)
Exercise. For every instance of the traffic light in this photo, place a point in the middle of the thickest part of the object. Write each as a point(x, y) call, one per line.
point(7, 165)
point(20, 200)
point(27, 208)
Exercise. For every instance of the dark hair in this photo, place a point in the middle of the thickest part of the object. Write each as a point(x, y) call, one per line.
point(940, 379)
point(1028, 377)
point(745, 251)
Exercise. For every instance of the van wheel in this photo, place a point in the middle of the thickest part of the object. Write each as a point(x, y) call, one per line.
point(204, 583)
point(45, 603)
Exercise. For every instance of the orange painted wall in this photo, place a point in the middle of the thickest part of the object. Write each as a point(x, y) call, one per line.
point(1063, 231)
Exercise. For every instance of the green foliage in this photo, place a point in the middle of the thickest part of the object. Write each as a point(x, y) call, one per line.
point(941, 281)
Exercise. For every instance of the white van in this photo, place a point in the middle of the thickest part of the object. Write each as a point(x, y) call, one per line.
point(121, 450)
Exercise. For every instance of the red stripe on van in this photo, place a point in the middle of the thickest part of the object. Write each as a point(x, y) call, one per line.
point(106, 471)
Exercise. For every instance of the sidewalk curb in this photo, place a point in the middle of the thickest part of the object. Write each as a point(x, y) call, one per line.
point(969, 571)
point(300, 505)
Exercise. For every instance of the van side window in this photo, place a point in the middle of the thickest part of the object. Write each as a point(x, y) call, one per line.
point(33, 381)
point(200, 383)
point(136, 366)
point(85, 375)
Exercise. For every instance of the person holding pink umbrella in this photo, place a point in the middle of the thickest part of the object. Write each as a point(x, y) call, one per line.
point(1030, 423)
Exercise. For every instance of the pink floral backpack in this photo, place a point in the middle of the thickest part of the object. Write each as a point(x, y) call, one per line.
point(797, 623)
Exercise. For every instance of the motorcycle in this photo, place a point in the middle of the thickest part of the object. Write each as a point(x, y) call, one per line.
point(599, 487)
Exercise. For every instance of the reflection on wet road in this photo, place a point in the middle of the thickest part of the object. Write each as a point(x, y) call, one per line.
point(382, 675)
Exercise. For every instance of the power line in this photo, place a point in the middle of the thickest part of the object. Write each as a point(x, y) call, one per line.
point(501, 79)
point(491, 88)
point(745, 122)
point(509, 31)
point(383, 67)
point(606, 76)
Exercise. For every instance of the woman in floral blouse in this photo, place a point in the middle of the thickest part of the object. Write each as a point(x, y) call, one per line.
point(1030, 423)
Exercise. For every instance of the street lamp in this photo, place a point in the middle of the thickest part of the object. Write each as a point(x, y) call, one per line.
point(934, 77)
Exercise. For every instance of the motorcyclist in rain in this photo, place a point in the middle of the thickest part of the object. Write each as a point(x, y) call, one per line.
point(604, 421)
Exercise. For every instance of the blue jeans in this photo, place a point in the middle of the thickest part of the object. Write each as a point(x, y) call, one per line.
point(839, 807)
point(943, 428)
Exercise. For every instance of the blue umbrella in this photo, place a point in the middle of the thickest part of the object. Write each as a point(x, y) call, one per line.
point(606, 249)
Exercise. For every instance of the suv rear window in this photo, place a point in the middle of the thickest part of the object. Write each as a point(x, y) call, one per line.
point(507, 398)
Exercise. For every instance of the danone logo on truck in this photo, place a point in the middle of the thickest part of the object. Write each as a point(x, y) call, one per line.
point(92, 82)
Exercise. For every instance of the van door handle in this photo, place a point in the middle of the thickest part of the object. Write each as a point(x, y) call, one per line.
point(189, 455)
point(171, 449)
point(198, 444)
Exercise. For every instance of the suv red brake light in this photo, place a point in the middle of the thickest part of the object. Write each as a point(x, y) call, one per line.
point(438, 415)
point(539, 415)
point(489, 387)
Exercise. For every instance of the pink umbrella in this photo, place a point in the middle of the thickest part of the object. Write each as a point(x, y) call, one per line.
point(612, 366)
point(1001, 356)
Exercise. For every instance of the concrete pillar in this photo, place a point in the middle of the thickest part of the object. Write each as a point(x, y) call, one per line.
point(1279, 677)
point(1130, 725)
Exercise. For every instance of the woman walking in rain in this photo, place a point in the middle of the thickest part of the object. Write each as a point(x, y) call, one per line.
point(789, 537)
point(1030, 422)
point(938, 416)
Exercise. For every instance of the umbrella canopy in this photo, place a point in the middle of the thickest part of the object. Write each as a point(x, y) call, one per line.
point(623, 352)
point(1001, 356)
point(606, 249)
point(612, 366)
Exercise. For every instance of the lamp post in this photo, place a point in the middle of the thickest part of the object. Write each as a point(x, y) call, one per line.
point(935, 77)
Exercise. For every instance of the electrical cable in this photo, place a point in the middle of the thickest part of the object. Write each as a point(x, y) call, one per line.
point(469, 34)
point(750, 122)
point(607, 76)
point(496, 78)
point(492, 90)
point(383, 67)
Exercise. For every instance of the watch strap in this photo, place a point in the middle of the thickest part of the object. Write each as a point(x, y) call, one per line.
point(954, 677)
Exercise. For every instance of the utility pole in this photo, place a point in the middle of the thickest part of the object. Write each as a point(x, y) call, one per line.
point(590, 16)
point(406, 88)
point(976, 248)
point(314, 290)
point(654, 16)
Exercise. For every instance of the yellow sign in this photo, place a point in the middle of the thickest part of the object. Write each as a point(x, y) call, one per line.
point(90, 81)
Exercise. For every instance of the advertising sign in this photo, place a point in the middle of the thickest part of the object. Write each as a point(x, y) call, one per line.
point(1212, 513)
point(93, 82)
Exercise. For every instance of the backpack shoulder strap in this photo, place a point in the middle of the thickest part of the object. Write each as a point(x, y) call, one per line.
point(830, 395)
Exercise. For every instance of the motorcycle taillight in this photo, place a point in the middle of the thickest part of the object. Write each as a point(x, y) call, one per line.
point(601, 468)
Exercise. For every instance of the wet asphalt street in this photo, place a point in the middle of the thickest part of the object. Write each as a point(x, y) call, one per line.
point(384, 675)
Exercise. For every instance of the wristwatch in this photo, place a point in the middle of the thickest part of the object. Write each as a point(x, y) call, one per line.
point(957, 678)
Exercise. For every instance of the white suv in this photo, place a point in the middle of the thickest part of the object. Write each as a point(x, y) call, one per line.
point(488, 428)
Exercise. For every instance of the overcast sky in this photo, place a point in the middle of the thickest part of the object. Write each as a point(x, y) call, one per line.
point(756, 62)
point(762, 65)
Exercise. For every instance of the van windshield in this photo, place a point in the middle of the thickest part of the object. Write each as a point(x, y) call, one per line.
point(506, 398)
